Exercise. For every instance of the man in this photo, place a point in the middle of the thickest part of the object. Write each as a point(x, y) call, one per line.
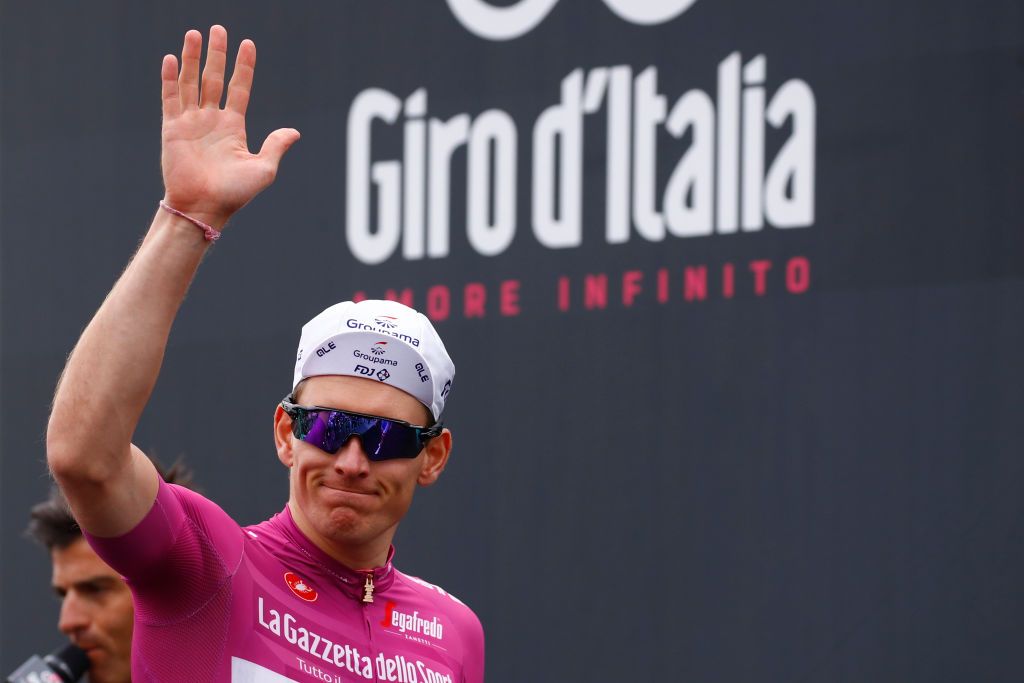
point(310, 594)
point(96, 605)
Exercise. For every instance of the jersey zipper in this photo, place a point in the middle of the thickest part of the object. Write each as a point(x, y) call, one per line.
point(368, 590)
point(366, 602)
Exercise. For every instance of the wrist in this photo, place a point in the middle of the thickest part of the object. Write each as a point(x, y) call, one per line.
point(216, 219)
point(196, 225)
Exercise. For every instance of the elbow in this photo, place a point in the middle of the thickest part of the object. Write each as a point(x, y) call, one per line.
point(84, 451)
point(61, 456)
point(68, 454)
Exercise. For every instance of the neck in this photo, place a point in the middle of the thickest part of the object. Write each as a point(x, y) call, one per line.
point(366, 555)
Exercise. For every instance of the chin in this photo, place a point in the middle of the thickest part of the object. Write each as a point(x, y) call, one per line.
point(342, 524)
point(104, 675)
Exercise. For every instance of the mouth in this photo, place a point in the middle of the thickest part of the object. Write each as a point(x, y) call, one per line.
point(94, 652)
point(344, 491)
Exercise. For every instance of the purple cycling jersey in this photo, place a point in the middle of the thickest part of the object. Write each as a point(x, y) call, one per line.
point(263, 604)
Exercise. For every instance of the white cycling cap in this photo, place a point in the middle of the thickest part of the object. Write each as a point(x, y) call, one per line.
point(382, 340)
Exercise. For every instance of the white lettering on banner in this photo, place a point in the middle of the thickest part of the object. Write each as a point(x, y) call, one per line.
point(648, 11)
point(323, 650)
point(719, 184)
point(370, 247)
point(506, 23)
point(493, 128)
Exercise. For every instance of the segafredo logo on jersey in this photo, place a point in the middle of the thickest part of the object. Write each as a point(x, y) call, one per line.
point(512, 21)
point(299, 587)
point(402, 621)
point(722, 182)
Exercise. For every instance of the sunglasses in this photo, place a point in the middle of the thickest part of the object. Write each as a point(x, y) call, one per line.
point(382, 438)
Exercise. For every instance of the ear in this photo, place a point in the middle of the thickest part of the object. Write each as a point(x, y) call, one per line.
point(283, 437)
point(435, 455)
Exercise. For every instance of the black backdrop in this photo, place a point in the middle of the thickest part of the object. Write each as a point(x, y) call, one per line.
point(789, 451)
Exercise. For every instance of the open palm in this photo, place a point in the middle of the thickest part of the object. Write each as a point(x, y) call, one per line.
point(208, 170)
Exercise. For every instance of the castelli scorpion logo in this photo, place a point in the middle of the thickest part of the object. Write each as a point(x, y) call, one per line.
point(299, 586)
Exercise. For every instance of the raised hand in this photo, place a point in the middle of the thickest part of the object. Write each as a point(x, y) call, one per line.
point(208, 170)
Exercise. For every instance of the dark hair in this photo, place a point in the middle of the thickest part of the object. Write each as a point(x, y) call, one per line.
point(52, 525)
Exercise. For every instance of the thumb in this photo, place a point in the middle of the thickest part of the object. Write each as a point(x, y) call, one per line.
point(277, 143)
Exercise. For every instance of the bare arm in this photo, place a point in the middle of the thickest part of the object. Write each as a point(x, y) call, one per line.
point(208, 174)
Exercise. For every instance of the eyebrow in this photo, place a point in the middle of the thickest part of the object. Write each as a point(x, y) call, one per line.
point(91, 582)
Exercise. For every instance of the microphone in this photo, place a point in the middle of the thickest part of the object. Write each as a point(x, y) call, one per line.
point(66, 665)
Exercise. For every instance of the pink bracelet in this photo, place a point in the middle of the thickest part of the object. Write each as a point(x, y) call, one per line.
point(211, 233)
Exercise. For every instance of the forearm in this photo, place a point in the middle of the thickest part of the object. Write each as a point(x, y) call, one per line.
point(209, 174)
point(112, 371)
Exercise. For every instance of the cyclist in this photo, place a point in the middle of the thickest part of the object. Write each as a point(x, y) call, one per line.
point(312, 592)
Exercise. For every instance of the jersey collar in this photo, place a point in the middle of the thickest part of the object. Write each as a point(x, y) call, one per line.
point(351, 581)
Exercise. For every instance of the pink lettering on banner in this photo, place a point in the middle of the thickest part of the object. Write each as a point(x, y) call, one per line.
point(690, 283)
point(695, 283)
point(760, 270)
point(439, 303)
point(798, 275)
point(728, 280)
point(631, 288)
point(563, 294)
point(510, 298)
point(595, 291)
point(662, 285)
point(403, 297)
point(473, 300)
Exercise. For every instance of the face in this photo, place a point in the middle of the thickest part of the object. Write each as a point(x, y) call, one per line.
point(346, 504)
point(96, 611)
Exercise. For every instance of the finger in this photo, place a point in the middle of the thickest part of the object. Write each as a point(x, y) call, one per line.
point(276, 144)
point(169, 86)
point(241, 77)
point(213, 72)
point(188, 80)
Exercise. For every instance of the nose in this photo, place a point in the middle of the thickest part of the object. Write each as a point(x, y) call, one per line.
point(73, 615)
point(351, 460)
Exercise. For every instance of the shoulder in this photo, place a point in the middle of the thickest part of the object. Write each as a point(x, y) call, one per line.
point(443, 601)
point(469, 632)
point(208, 516)
point(181, 534)
point(176, 513)
point(194, 503)
point(208, 526)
